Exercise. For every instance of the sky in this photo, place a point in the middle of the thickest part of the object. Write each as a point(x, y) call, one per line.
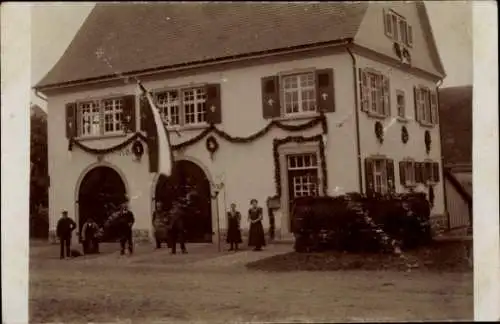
point(451, 23)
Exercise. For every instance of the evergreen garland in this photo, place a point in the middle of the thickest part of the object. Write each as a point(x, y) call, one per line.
point(321, 119)
point(428, 140)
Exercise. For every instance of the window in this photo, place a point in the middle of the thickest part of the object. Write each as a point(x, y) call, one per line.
point(298, 93)
point(375, 93)
point(426, 109)
point(183, 106)
point(407, 173)
point(397, 28)
point(303, 175)
point(379, 175)
point(100, 117)
point(430, 172)
point(401, 103)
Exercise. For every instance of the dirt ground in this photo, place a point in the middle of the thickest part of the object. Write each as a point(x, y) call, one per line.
point(210, 286)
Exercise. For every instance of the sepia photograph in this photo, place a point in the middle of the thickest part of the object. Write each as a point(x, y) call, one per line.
point(240, 162)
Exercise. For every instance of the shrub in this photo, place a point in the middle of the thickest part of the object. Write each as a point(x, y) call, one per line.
point(354, 222)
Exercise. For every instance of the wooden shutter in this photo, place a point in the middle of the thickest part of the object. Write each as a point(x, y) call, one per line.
point(402, 174)
point(415, 101)
point(434, 108)
point(387, 23)
point(387, 95)
point(213, 104)
point(435, 172)
point(410, 35)
point(369, 186)
point(148, 125)
point(325, 90)
point(363, 95)
point(418, 172)
point(270, 97)
point(426, 172)
point(389, 165)
point(129, 113)
point(71, 120)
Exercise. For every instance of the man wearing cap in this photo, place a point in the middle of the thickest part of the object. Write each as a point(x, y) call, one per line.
point(65, 226)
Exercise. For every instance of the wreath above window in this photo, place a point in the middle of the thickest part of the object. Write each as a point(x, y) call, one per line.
point(428, 141)
point(404, 135)
point(379, 132)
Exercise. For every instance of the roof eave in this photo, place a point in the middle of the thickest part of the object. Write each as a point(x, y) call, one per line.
point(241, 57)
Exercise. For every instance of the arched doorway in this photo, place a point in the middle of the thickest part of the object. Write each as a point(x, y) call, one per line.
point(198, 221)
point(101, 191)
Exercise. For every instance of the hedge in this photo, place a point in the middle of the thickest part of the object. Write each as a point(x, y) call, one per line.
point(355, 222)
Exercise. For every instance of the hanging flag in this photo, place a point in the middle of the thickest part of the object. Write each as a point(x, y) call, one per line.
point(165, 157)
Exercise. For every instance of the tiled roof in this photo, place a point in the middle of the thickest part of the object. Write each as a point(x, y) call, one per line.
point(455, 119)
point(138, 37)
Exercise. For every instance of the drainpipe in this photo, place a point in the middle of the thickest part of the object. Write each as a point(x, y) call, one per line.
point(356, 114)
point(439, 83)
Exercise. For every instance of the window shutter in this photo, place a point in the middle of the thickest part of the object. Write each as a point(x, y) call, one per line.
point(389, 165)
point(387, 23)
point(418, 172)
point(415, 100)
point(71, 120)
point(410, 35)
point(213, 104)
point(434, 108)
point(402, 174)
point(369, 176)
point(270, 97)
point(426, 172)
point(325, 90)
point(387, 95)
point(129, 112)
point(363, 95)
point(148, 126)
point(435, 171)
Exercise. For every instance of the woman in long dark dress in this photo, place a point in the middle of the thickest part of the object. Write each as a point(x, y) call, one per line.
point(256, 235)
point(233, 228)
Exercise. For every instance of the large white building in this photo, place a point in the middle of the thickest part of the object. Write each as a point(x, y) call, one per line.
point(270, 100)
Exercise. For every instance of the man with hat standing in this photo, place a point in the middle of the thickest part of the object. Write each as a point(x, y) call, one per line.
point(65, 226)
point(127, 220)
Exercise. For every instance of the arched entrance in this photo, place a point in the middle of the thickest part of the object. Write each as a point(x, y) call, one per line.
point(198, 221)
point(101, 191)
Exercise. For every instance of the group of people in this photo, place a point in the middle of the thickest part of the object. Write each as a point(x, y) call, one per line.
point(168, 227)
point(256, 238)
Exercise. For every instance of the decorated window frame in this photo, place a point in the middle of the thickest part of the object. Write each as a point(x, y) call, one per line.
point(96, 118)
point(431, 172)
point(305, 106)
point(379, 175)
point(176, 113)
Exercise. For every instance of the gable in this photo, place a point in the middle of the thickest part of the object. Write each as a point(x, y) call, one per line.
point(144, 37)
point(423, 50)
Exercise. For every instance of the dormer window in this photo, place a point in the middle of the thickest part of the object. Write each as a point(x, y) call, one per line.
point(397, 28)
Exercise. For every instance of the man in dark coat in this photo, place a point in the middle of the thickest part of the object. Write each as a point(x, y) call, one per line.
point(65, 226)
point(127, 220)
point(176, 227)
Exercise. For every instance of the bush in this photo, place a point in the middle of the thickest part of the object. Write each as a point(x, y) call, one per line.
point(354, 222)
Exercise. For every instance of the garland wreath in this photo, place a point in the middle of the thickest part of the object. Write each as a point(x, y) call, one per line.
point(298, 139)
point(291, 128)
point(138, 149)
point(404, 135)
point(212, 145)
point(122, 145)
point(428, 141)
point(379, 132)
